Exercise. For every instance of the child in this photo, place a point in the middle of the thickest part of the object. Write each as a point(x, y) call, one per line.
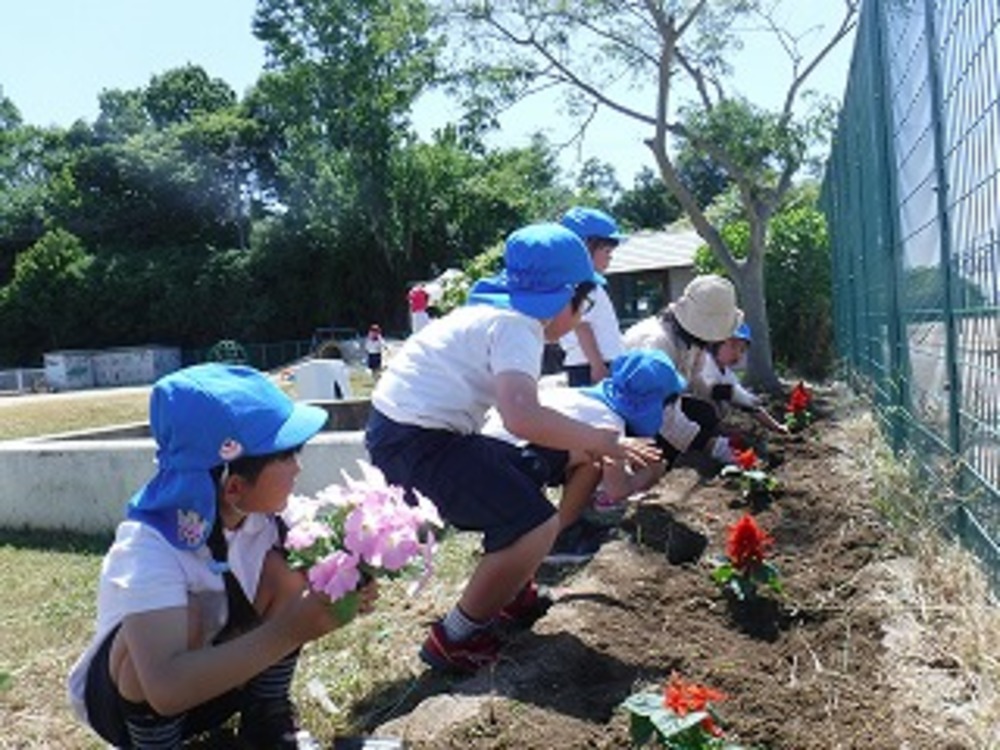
point(428, 408)
point(374, 345)
point(725, 388)
point(597, 338)
point(631, 400)
point(198, 615)
point(686, 330)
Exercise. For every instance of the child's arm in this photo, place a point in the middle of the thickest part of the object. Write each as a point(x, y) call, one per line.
point(620, 480)
point(173, 674)
point(588, 343)
point(763, 417)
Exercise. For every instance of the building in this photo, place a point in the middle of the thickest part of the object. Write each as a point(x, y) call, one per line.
point(649, 269)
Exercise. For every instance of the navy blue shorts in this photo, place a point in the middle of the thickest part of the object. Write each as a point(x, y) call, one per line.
point(478, 483)
point(107, 709)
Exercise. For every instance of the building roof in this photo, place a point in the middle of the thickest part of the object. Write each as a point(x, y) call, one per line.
point(652, 251)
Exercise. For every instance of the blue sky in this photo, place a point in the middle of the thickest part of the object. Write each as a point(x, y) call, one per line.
point(57, 55)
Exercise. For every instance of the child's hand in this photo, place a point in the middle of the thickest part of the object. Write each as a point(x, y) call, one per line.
point(368, 595)
point(640, 452)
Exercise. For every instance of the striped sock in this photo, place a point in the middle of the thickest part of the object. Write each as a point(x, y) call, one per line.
point(150, 730)
point(458, 626)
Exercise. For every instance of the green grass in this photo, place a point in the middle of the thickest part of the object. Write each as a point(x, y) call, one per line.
point(348, 681)
point(30, 416)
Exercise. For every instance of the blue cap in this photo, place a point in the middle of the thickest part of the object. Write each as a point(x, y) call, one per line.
point(743, 332)
point(639, 383)
point(202, 417)
point(542, 265)
point(591, 222)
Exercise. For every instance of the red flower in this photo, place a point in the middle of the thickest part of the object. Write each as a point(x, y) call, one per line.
point(681, 697)
point(747, 459)
point(748, 544)
point(799, 399)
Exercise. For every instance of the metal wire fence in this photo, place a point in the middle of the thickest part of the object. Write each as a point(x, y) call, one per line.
point(912, 194)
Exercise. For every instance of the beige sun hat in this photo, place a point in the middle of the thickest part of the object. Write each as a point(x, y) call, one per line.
point(707, 308)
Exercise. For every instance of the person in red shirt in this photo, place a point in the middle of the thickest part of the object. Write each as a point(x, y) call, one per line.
point(419, 300)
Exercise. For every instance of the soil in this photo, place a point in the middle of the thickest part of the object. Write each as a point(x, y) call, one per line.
point(801, 670)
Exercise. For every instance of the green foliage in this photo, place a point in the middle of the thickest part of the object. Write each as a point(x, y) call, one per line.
point(180, 94)
point(33, 307)
point(744, 585)
point(487, 263)
point(647, 204)
point(923, 290)
point(651, 721)
point(756, 143)
point(798, 284)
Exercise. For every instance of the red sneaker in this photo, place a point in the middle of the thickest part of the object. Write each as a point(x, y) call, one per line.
point(438, 652)
point(530, 604)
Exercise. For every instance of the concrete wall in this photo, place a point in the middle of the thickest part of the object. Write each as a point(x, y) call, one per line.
point(83, 485)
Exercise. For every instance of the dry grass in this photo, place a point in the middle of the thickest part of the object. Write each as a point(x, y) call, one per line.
point(942, 622)
point(30, 416)
point(942, 629)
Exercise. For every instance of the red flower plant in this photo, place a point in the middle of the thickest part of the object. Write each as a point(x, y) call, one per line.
point(679, 716)
point(797, 413)
point(747, 459)
point(746, 565)
point(747, 473)
point(748, 544)
point(681, 698)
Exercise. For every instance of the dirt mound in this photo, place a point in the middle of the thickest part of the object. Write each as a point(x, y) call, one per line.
point(803, 670)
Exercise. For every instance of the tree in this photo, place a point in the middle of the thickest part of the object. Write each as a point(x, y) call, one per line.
point(590, 47)
point(647, 204)
point(33, 307)
point(180, 94)
point(343, 78)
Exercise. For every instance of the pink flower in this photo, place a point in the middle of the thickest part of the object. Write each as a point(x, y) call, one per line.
point(335, 575)
point(305, 534)
point(364, 528)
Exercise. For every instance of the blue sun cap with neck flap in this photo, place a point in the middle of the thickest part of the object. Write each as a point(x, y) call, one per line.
point(543, 263)
point(202, 417)
point(641, 380)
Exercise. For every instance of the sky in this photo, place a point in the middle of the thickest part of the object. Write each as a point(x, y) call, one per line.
point(56, 56)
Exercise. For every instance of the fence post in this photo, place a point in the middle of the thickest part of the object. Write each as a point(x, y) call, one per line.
point(897, 371)
point(944, 223)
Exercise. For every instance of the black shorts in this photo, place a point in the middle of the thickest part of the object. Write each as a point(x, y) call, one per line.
point(107, 709)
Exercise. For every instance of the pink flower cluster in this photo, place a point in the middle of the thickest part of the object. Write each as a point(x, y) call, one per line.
point(363, 528)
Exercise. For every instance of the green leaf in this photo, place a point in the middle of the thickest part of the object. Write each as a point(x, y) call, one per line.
point(345, 608)
point(723, 573)
point(640, 730)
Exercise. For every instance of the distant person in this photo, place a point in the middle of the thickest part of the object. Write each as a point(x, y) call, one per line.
point(597, 338)
point(431, 402)
point(199, 616)
point(374, 347)
point(688, 330)
point(419, 300)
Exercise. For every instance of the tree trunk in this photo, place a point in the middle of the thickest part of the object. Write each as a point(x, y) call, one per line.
point(749, 280)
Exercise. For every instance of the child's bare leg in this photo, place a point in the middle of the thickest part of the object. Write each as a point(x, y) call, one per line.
point(500, 575)
point(581, 481)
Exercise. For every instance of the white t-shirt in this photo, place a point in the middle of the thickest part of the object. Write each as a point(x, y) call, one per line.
point(443, 376)
point(143, 572)
point(570, 402)
point(607, 332)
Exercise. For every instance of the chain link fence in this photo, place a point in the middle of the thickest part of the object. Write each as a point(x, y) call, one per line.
point(912, 195)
